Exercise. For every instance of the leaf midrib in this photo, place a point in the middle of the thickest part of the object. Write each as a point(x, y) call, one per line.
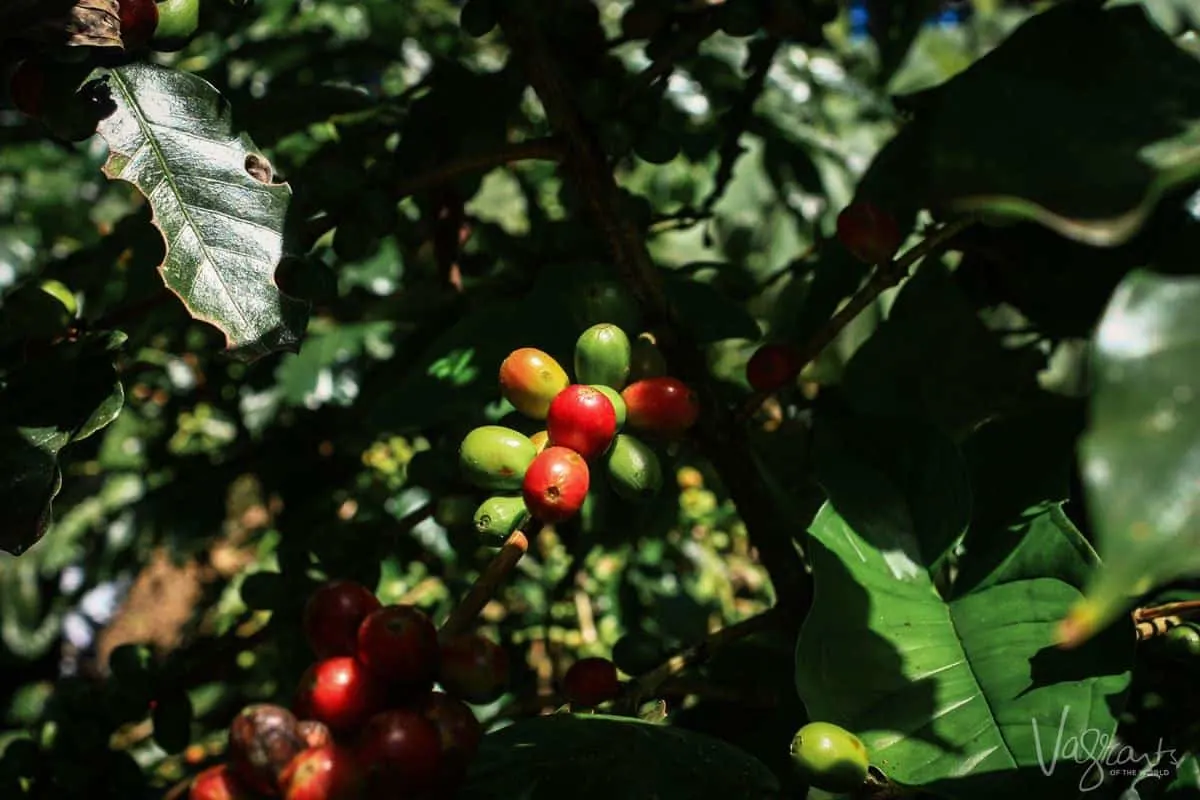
point(147, 128)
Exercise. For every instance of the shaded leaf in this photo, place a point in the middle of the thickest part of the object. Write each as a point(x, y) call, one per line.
point(65, 396)
point(1141, 451)
point(599, 756)
point(934, 359)
point(902, 485)
point(1090, 138)
point(709, 314)
point(171, 137)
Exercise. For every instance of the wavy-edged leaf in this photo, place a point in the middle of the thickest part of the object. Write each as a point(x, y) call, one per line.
point(603, 757)
point(214, 200)
point(1141, 451)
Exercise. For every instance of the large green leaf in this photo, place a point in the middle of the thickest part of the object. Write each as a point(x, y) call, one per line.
point(966, 697)
point(955, 684)
point(1141, 451)
point(1084, 139)
point(214, 199)
point(64, 396)
point(605, 757)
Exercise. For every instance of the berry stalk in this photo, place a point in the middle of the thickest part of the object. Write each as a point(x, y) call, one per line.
point(488, 583)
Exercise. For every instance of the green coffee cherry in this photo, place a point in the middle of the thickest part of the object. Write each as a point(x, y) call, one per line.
point(499, 516)
point(634, 471)
point(495, 457)
point(830, 757)
point(615, 398)
point(602, 356)
point(178, 21)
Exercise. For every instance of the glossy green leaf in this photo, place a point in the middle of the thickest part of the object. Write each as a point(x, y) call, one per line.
point(214, 200)
point(1037, 154)
point(1141, 451)
point(67, 395)
point(954, 685)
point(604, 757)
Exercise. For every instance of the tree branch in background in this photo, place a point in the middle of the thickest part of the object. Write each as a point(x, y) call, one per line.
point(718, 432)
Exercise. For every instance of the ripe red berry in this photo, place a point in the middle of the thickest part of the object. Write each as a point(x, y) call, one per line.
point(263, 739)
point(400, 645)
point(26, 87)
point(400, 749)
point(314, 733)
point(333, 615)
point(461, 734)
point(591, 681)
point(474, 668)
point(583, 419)
point(868, 232)
point(339, 692)
point(772, 367)
point(556, 484)
point(219, 783)
point(661, 406)
point(139, 19)
point(330, 772)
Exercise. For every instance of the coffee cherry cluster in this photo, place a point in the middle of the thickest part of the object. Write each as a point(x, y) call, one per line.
point(548, 475)
point(366, 720)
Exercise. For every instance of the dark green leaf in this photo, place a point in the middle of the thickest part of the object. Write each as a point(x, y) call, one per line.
point(1084, 139)
point(902, 485)
point(934, 359)
point(605, 757)
point(214, 200)
point(709, 314)
point(67, 395)
point(172, 718)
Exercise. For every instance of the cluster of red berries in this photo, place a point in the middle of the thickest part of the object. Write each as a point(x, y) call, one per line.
point(366, 720)
point(584, 424)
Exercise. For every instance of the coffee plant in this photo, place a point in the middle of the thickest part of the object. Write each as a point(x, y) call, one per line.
point(599, 399)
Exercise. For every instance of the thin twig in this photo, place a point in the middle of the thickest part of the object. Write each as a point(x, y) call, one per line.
point(717, 431)
point(883, 278)
point(489, 581)
point(1182, 607)
point(645, 686)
